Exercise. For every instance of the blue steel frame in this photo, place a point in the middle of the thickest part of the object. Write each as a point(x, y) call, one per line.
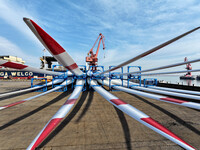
point(63, 76)
point(98, 77)
point(131, 77)
point(64, 89)
point(83, 77)
point(114, 75)
point(42, 89)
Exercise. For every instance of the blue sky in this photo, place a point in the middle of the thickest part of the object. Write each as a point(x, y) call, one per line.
point(130, 27)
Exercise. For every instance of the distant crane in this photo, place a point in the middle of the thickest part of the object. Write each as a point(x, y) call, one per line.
point(188, 67)
point(92, 58)
point(188, 75)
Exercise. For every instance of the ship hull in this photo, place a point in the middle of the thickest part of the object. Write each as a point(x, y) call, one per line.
point(13, 74)
point(187, 77)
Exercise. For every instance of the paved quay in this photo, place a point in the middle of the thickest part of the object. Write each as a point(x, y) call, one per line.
point(93, 123)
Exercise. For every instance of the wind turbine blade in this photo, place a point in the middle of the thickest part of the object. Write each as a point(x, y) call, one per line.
point(176, 90)
point(30, 89)
point(36, 96)
point(161, 88)
point(140, 116)
point(162, 67)
point(170, 72)
point(150, 51)
point(53, 47)
point(58, 117)
point(196, 97)
point(155, 96)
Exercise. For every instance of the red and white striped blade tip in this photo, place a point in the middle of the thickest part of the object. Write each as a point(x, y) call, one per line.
point(53, 47)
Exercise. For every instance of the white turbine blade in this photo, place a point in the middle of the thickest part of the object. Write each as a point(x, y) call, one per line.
point(14, 65)
point(196, 97)
point(175, 90)
point(150, 51)
point(53, 47)
point(170, 72)
point(162, 67)
point(154, 96)
point(162, 88)
point(58, 117)
point(140, 116)
point(30, 89)
point(33, 97)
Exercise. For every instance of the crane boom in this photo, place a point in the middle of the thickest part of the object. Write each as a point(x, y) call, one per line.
point(92, 58)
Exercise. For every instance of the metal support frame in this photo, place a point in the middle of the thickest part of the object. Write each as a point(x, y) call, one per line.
point(96, 77)
point(131, 77)
point(82, 77)
point(41, 89)
point(115, 75)
point(63, 76)
point(150, 82)
point(64, 89)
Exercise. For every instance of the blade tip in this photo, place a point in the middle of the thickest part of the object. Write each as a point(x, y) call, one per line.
point(26, 19)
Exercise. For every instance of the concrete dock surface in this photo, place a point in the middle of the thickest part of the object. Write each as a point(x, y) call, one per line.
point(93, 123)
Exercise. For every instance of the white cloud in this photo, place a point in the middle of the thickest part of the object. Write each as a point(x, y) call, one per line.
point(117, 8)
point(9, 48)
point(13, 14)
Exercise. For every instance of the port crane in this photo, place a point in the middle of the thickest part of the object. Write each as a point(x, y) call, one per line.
point(188, 67)
point(92, 59)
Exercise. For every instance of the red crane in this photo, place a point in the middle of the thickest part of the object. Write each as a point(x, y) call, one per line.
point(92, 58)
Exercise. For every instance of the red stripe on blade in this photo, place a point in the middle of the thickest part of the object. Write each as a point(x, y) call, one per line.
point(52, 124)
point(13, 104)
point(118, 101)
point(70, 101)
point(71, 67)
point(162, 128)
point(53, 46)
point(173, 100)
point(14, 65)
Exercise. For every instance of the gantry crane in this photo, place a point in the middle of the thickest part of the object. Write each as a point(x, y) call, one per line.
point(92, 58)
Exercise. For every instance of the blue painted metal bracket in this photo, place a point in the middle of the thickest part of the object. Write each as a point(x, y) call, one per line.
point(42, 89)
point(63, 76)
point(115, 75)
point(131, 77)
point(150, 82)
point(63, 89)
point(82, 77)
point(97, 77)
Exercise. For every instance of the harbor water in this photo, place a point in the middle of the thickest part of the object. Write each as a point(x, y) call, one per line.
point(175, 79)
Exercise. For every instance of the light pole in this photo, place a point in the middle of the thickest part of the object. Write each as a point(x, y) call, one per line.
point(44, 58)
